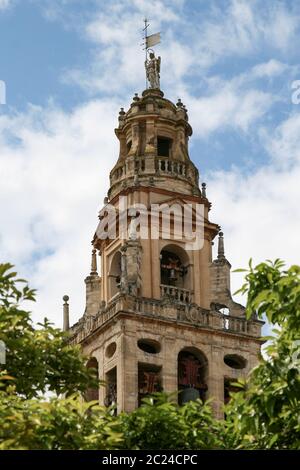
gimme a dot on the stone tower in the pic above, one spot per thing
(159, 315)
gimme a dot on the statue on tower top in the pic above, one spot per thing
(152, 65)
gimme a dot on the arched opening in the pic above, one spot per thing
(192, 375)
(223, 310)
(128, 146)
(149, 380)
(175, 276)
(114, 275)
(92, 393)
(111, 388)
(235, 361)
(149, 346)
(164, 147)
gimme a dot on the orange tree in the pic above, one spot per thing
(265, 414)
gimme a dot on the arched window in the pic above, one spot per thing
(114, 275)
(192, 375)
(128, 146)
(149, 346)
(175, 274)
(235, 361)
(111, 388)
(174, 266)
(92, 393)
(149, 380)
(164, 147)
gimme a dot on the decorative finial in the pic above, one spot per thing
(179, 103)
(66, 320)
(121, 114)
(105, 200)
(136, 97)
(94, 263)
(204, 190)
(221, 250)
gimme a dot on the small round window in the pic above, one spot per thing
(111, 349)
(234, 361)
(149, 346)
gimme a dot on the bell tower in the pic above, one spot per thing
(159, 312)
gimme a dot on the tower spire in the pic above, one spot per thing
(66, 320)
(94, 263)
(221, 250)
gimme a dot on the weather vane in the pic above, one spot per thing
(152, 64)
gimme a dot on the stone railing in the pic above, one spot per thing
(128, 168)
(177, 293)
(151, 165)
(178, 311)
(173, 167)
(148, 307)
(88, 324)
(183, 170)
(236, 324)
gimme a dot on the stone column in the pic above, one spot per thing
(216, 380)
(130, 373)
(93, 288)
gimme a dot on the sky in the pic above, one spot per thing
(69, 65)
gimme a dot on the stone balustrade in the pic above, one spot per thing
(236, 324)
(177, 293)
(154, 166)
(173, 167)
(176, 310)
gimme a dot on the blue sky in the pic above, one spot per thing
(69, 65)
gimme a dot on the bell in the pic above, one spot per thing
(189, 394)
(173, 275)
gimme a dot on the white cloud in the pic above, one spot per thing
(55, 165)
(269, 69)
(236, 29)
(229, 107)
(52, 186)
(53, 183)
(259, 212)
(118, 58)
(4, 4)
(243, 28)
(284, 144)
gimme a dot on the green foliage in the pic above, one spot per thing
(162, 424)
(266, 414)
(71, 423)
(40, 359)
(60, 424)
